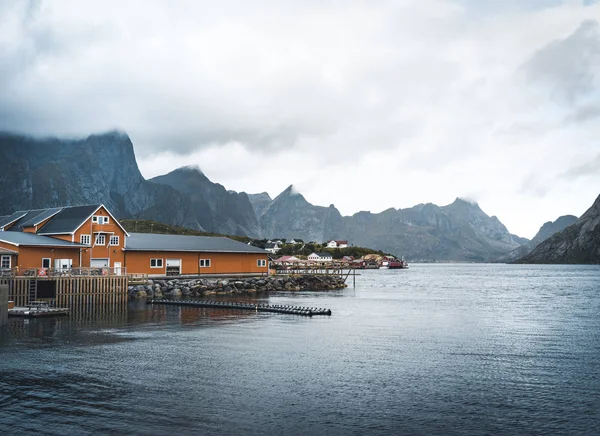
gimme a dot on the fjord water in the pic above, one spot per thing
(437, 349)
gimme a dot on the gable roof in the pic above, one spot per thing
(31, 239)
(214, 244)
(68, 220)
(61, 220)
(288, 259)
(41, 217)
(321, 254)
(29, 215)
(11, 218)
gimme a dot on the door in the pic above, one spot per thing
(62, 264)
(99, 263)
(173, 267)
(117, 268)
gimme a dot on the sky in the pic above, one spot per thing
(363, 104)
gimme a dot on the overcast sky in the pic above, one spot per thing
(364, 104)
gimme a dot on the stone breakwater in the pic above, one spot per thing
(200, 287)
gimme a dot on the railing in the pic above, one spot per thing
(61, 272)
(314, 270)
(138, 278)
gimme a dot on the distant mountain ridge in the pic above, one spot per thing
(548, 229)
(102, 168)
(213, 207)
(50, 172)
(460, 231)
(577, 243)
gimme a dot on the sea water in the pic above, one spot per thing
(436, 349)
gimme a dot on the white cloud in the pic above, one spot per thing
(367, 105)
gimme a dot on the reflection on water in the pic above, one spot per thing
(438, 349)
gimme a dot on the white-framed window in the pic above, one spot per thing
(46, 262)
(85, 239)
(99, 219)
(204, 263)
(5, 261)
(156, 263)
(114, 240)
(100, 240)
(261, 262)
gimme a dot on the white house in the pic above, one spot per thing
(337, 244)
(272, 247)
(320, 257)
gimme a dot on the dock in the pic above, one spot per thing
(273, 308)
(35, 311)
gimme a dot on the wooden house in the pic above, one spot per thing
(91, 237)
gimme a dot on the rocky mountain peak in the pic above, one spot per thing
(464, 203)
(189, 173)
(289, 192)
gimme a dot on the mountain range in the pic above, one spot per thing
(548, 229)
(577, 243)
(102, 168)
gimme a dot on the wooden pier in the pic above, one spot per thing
(341, 272)
(37, 310)
(3, 305)
(67, 291)
(290, 310)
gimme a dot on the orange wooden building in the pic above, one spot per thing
(91, 237)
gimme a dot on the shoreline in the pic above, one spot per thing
(200, 287)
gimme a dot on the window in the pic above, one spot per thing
(204, 263)
(100, 240)
(156, 263)
(114, 240)
(46, 262)
(5, 262)
(99, 219)
(261, 262)
(84, 239)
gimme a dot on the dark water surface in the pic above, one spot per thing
(437, 349)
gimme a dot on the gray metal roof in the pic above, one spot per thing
(17, 226)
(12, 218)
(7, 251)
(22, 238)
(68, 219)
(44, 215)
(153, 242)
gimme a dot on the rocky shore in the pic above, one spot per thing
(199, 287)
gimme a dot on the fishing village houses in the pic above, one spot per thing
(84, 250)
